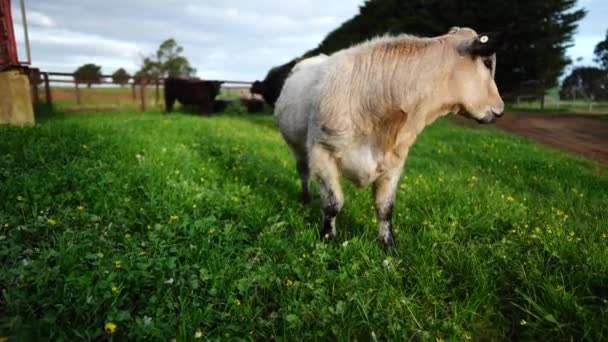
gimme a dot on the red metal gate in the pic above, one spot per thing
(8, 47)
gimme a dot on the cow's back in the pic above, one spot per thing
(298, 99)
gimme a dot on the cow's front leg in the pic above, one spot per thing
(384, 189)
(328, 180)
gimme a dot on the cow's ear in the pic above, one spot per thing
(453, 30)
(485, 44)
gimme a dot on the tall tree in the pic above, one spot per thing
(168, 61)
(121, 76)
(539, 31)
(601, 52)
(88, 74)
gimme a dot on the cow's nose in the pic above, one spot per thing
(488, 118)
(498, 113)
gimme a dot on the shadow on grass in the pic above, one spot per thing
(44, 112)
(281, 192)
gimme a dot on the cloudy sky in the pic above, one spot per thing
(223, 39)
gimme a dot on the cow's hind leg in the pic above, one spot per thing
(304, 173)
(384, 189)
(328, 180)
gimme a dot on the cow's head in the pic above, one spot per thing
(472, 78)
(215, 87)
(257, 87)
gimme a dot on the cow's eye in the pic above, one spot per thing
(488, 63)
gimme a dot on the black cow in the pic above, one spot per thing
(270, 87)
(253, 105)
(191, 92)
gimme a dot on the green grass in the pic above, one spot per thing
(498, 237)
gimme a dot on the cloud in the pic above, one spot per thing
(237, 39)
(97, 44)
(35, 18)
(257, 20)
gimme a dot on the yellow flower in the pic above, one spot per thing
(604, 236)
(149, 227)
(439, 339)
(523, 322)
(174, 217)
(80, 208)
(143, 243)
(117, 264)
(20, 198)
(109, 328)
(510, 199)
(237, 302)
(85, 147)
(288, 282)
(115, 289)
(212, 231)
(127, 236)
(51, 222)
(198, 333)
(141, 253)
(467, 335)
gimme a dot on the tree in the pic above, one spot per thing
(88, 74)
(121, 76)
(601, 52)
(168, 61)
(589, 83)
(140, 76)
(538, 31)
(172, 63)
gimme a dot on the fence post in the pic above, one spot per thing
(35, 93)
(142, 90)
(47, 89)
(157, 86)
(77, 93)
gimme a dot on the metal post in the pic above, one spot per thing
(47, 89)
(27, 37)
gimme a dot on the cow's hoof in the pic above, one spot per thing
(388, 244)
(305, 198)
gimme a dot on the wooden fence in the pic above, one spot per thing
(47, 79)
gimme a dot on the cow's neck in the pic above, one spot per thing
(418, 117)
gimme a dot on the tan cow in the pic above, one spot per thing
(357, 112)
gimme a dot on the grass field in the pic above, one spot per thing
(158, 227)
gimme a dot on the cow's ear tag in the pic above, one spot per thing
(484, 39)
